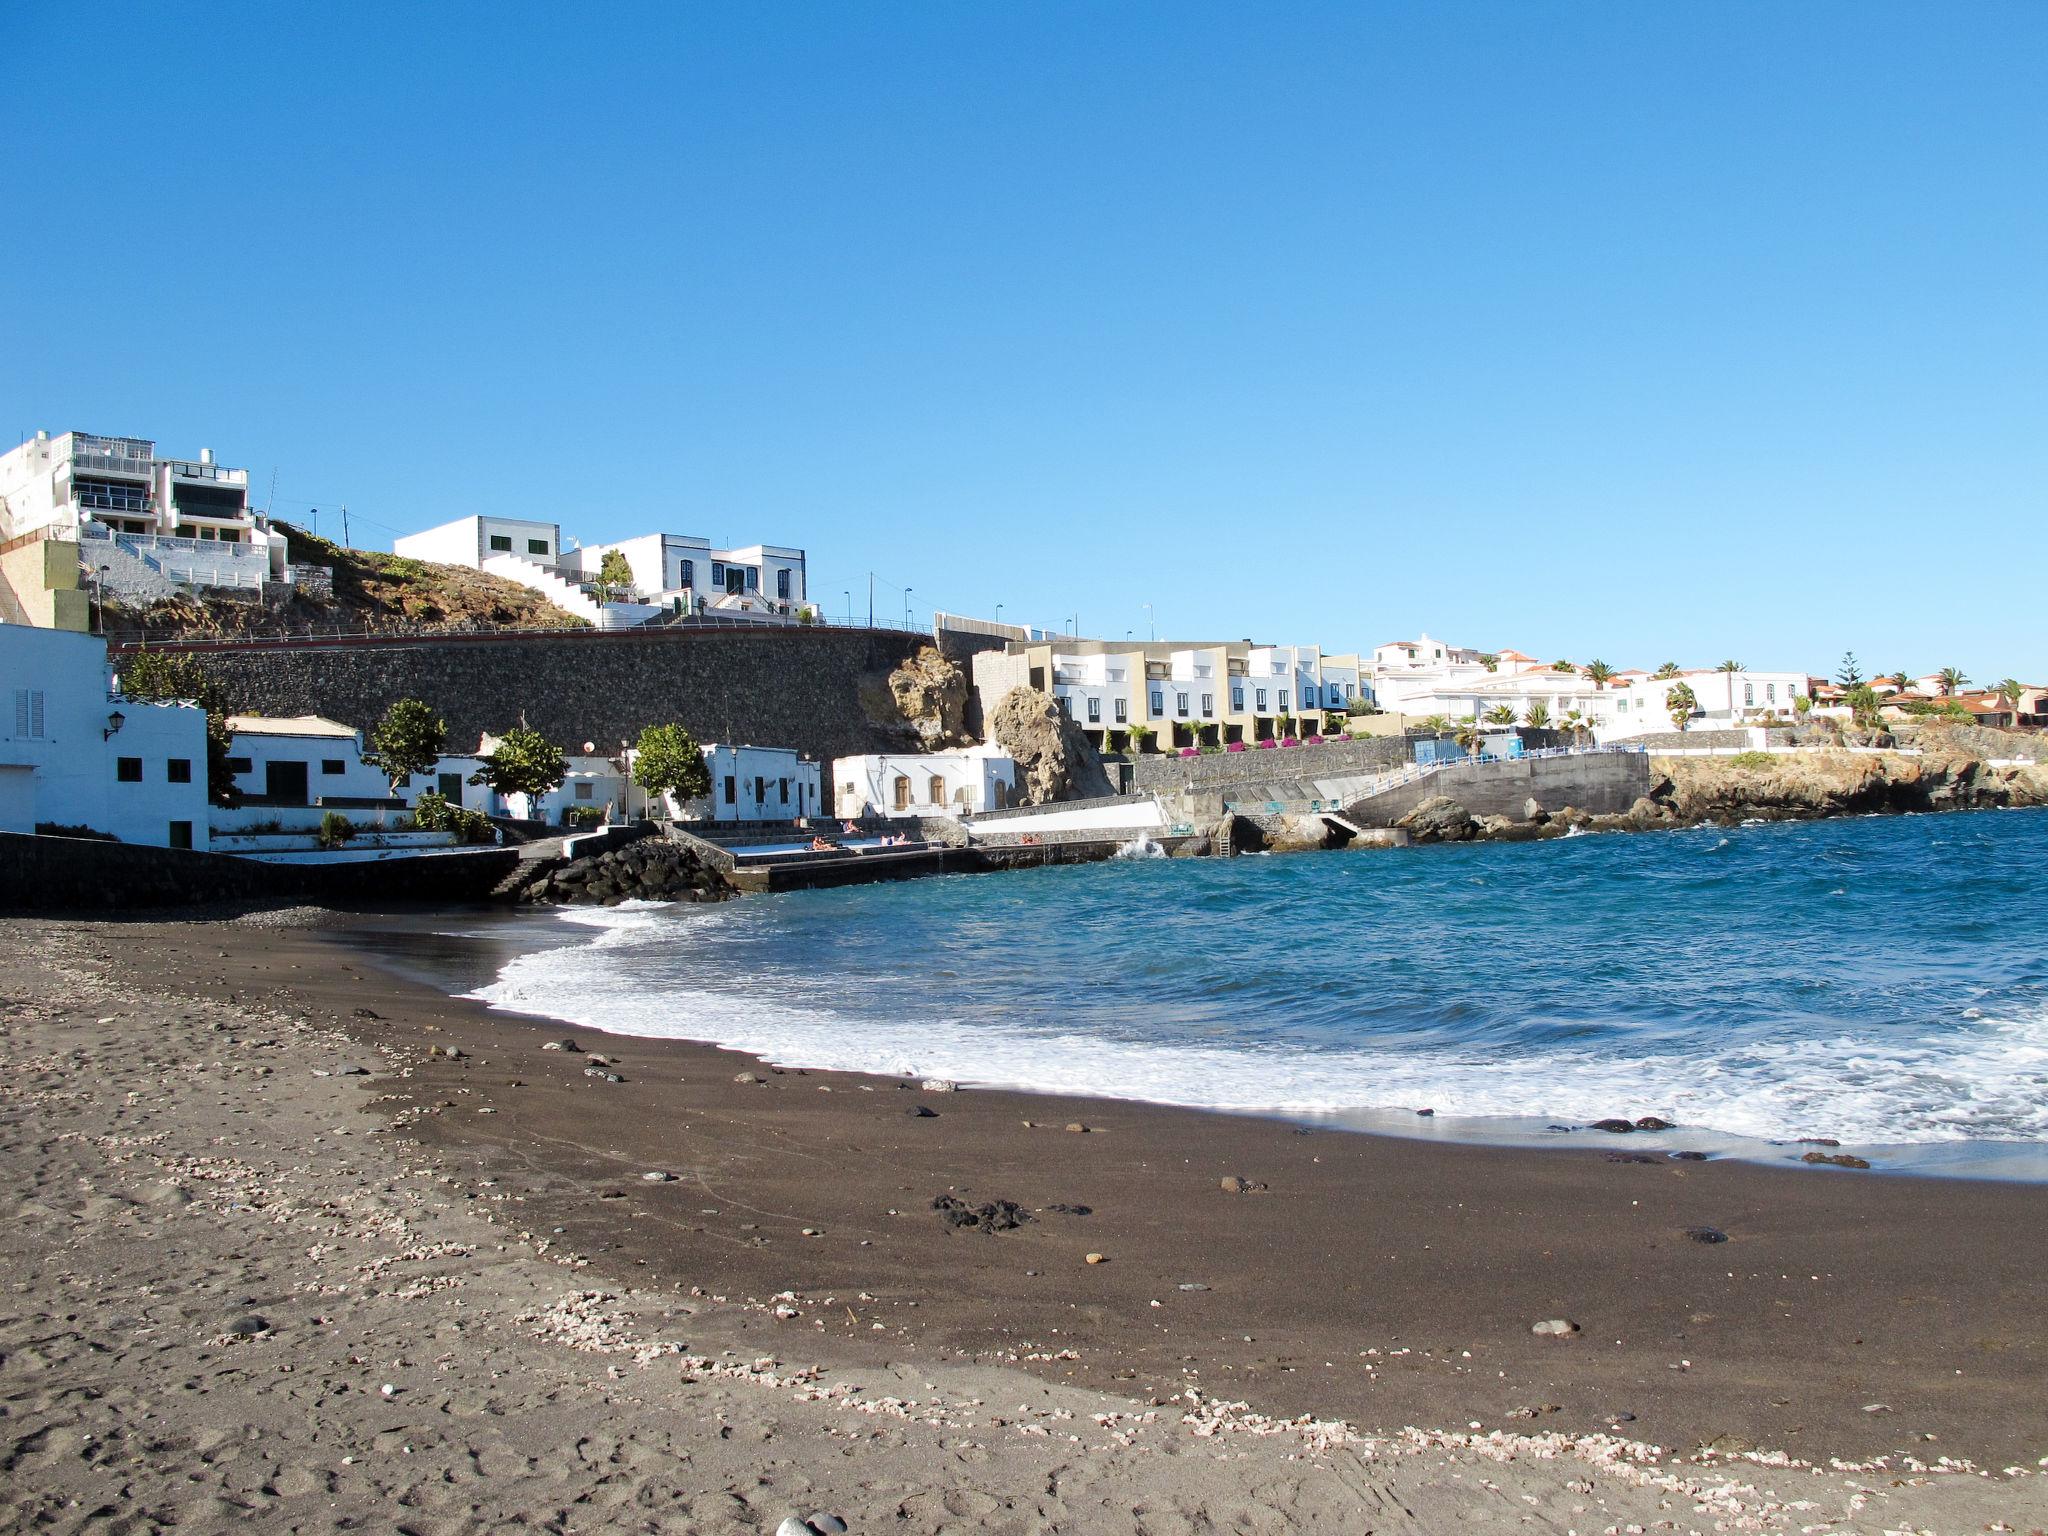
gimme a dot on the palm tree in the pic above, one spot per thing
(2009, 691)
(1598, 671)
(1728, 669)
(1489, 661)
(1681, 702)
(1669, 669)
(1538, 717)
(1501, 714)
(1574, 722)
(1952, 681)
(1562, 666)
(1436, 725)
(1469, 734)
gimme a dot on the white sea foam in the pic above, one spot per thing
(1986, 1080)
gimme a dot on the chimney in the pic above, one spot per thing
(206, 455)
(43, 434)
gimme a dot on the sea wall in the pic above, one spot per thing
(57, 874)
(1601, 783)
(822, 691)
(1152, 772)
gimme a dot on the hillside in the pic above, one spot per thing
(375, 593)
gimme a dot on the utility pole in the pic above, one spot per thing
(344, 525)
(871, 599)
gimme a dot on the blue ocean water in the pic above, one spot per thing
(1880, 981)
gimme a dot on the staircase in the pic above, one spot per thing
(565, 595)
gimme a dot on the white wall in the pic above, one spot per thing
(467, 541)
(969, 781)
(758, 784)
(56, 717)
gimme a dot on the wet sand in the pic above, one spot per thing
(457, 1226)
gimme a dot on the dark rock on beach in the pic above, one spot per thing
(1613, 1127)
(989, 1216)
(652, 869)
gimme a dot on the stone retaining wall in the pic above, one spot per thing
(1601, 783)
(822, 691)
(1155, 772)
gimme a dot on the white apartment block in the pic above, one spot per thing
(1224, 692)
(75, 753)
(145, 525)
(966, 782)
(1635, 701)
(471, 541)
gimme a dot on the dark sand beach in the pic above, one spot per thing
(1883, 1322)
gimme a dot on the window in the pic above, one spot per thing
(1094, 711)
(902, 792)
(782, 584)
(1123, 711)
(753, 579)
(1158, 702)
(241, 765)
(181, 834)
(1770, 693)
(333, 765)
(1749, 693)
(1208, 706)
(536, 546)
(785, 791)
(717, 573)
(178, 770)
(128, 770)
(1237, 701)
(731, 789)
(28, 713)
(1180, 704)
(760, 791)
(501, 543)
(937, 790)
(583, 789)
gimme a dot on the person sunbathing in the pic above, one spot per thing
(819, 845)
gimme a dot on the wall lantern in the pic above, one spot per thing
(114, 723)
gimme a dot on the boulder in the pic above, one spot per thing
(1439, 819)
(1054, 759)
(931, 695)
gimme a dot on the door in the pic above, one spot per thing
(451, 788)
(285, 783)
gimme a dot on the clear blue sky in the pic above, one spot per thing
(1641, 331)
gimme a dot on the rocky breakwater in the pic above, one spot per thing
(652, 869)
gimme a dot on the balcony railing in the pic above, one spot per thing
(121, 463)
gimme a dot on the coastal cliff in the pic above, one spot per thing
(1786, 785)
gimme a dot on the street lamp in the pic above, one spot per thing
(849, 605)
(906, 607)
(999, 613)
(1151, 620)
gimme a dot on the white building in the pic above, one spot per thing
(1635, 701)
(74, 753)
(671, 573)
(756, 784)
(962, 782)
(685, 574)
(146, 526)
(294, 769)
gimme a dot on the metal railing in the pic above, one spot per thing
(419, 634)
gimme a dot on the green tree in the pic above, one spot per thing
(1562, 666)
(1681, 701)
(1863, 704)
(1501, 714)
(1668, 670)
(1538, 717)
(524, 763)
(408, 740)
(1850, 672)
(158, 677)
(667, 760)
(1729, 666)
(1598, 672)
(2009, 691)
(1490, 661)
(1469, 736)
(1952, 681)
(1436, 725)
(614, 574)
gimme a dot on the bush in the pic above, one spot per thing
(585, 816)
(1290, 741)
(1751, 760)
(1235, 746)
(1267, 742)
(58, 829)
(433, 813)
(335, 829)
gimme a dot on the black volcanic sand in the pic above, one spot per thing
(1381, 1280)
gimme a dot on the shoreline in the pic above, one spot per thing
(1596, 1232)
(190, 1147)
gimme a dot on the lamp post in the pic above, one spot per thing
(849, 605)
(999, 613)
(906, 607)
(1151, 621)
